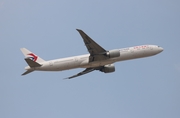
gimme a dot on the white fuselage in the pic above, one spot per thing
(82, 61)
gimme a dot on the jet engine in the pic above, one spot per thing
(108, 68)
(113, 53)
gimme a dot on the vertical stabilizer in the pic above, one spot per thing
(31, 55)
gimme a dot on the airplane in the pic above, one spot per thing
(97, 59)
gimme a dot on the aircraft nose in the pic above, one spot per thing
(161, 49)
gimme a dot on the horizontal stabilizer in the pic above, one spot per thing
(32, 63)
(27, 72)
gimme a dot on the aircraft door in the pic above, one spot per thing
(51, 63)
(151, 47)
(132, 53)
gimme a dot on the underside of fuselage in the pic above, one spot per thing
(83, 60)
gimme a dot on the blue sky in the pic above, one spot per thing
(141, 88)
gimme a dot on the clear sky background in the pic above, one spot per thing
(141, 88)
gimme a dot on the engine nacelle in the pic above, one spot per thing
(108, 68)
(113, 53)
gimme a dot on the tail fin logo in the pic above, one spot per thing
(34, 57)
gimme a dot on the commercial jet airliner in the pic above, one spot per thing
(97, 59)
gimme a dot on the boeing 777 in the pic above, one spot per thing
(97, 59)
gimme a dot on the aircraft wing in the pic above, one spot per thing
(87, 70)
(95, 50)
